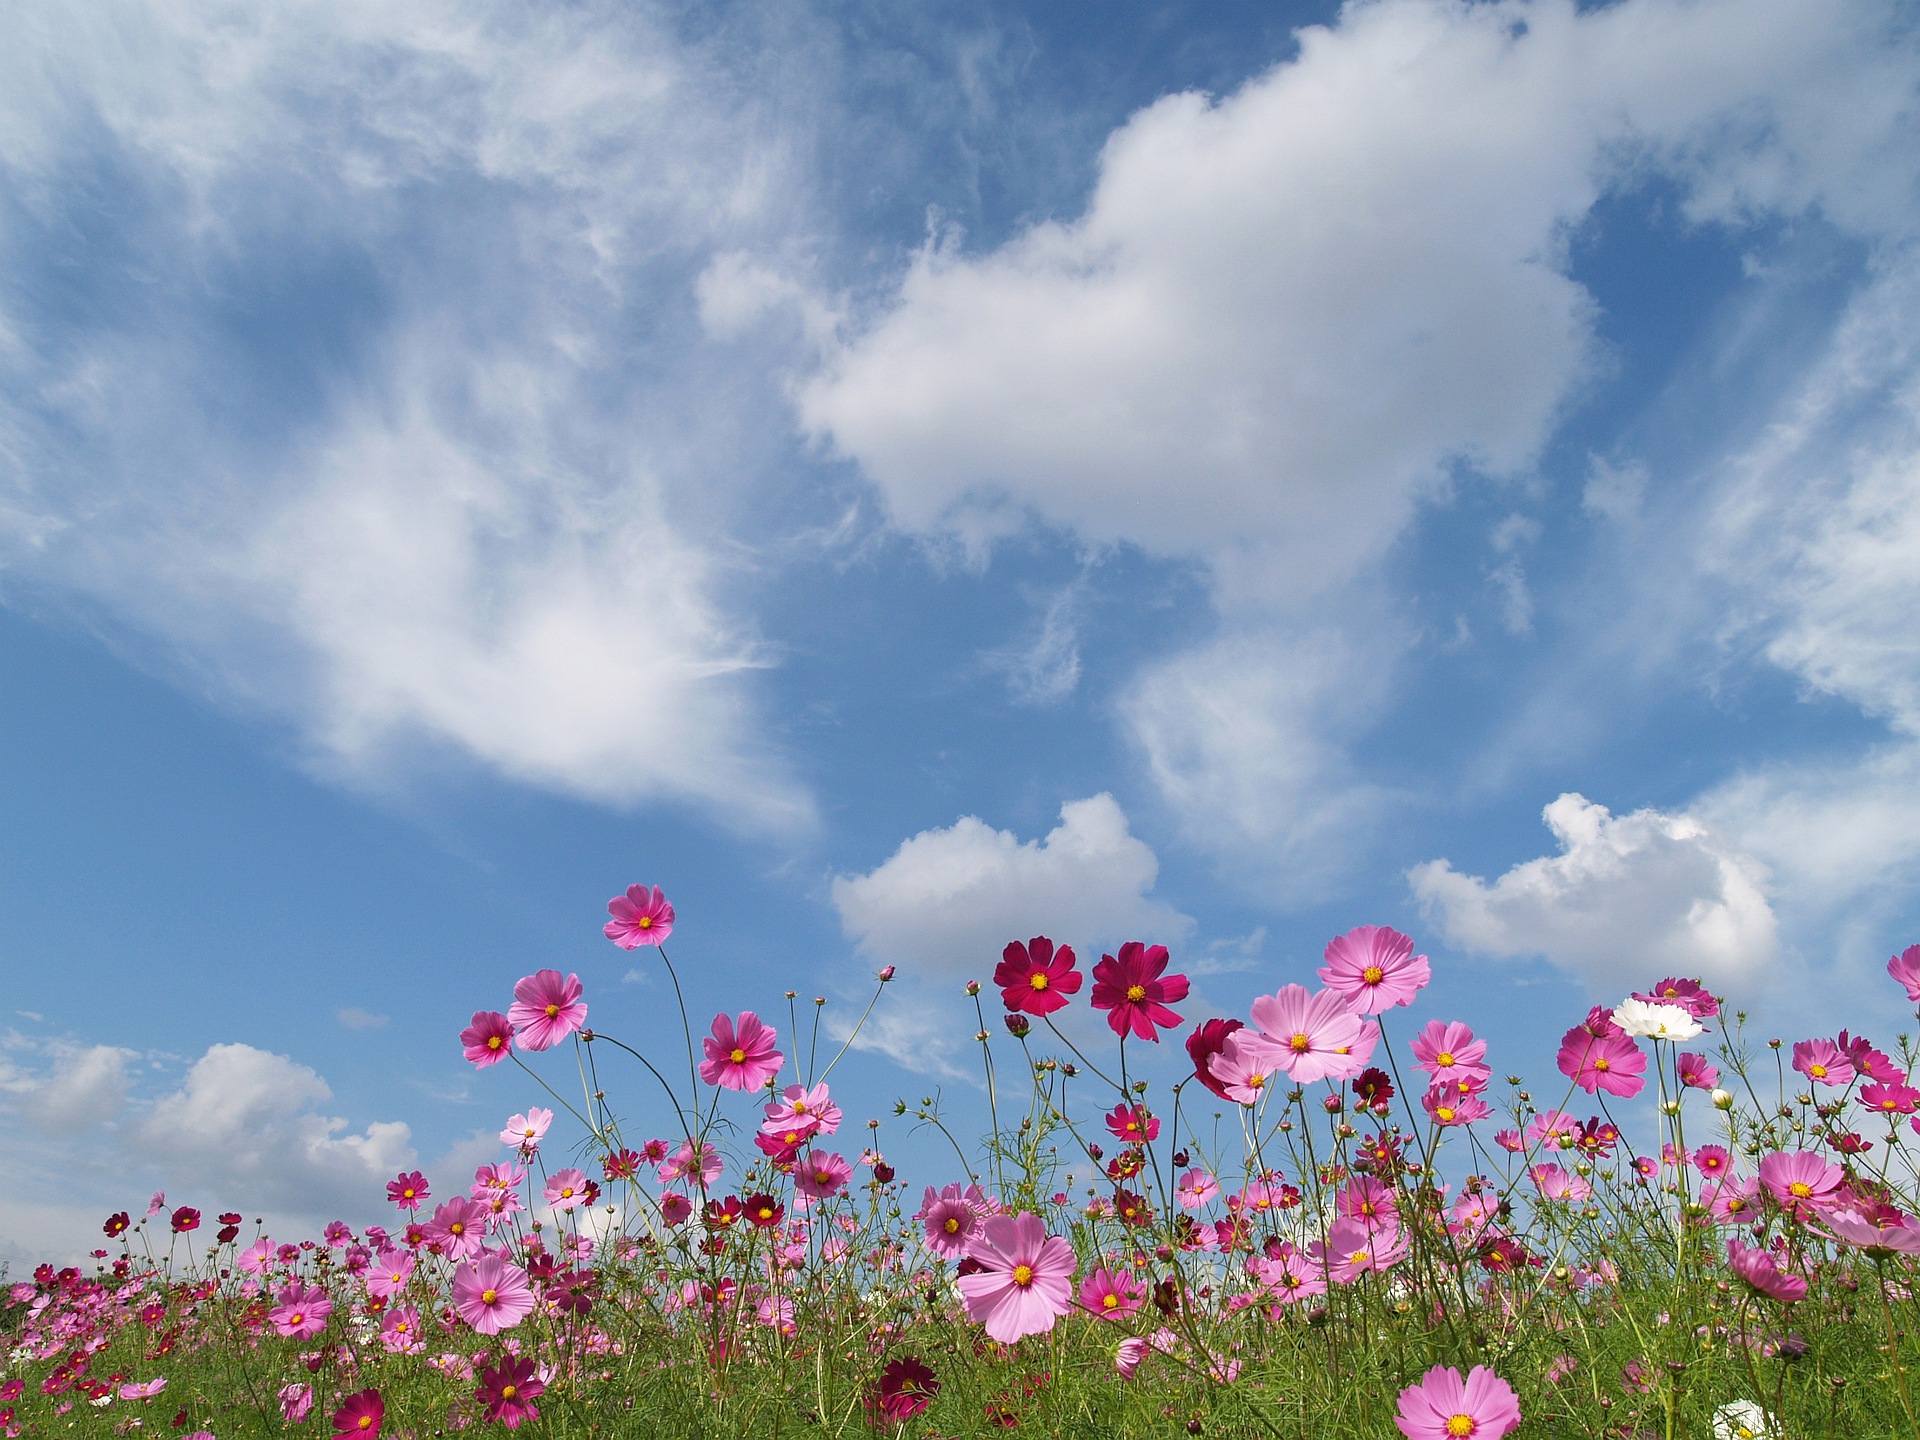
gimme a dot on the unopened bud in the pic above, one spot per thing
(1669, 1107)
(1723, 1100)
(1018, 1025)
(973, 987)
(886, 974)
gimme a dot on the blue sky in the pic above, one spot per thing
(903, 478)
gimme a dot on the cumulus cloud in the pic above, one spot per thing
(393, 452)
(1625, 901)
(248, 1123)
(947, 901)
(85, 1086)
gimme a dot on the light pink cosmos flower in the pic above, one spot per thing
(822, 1175)
(1289, 1274)
(546, 1009)
(296, 1402)
(257, 1258)
(1801, 1180)
(1445, 1407)
(1822, 1062)
(389, 1273)
(683, 1164)
(1557, 1184)
(1758, 1269)
(1128, 1354)
(1553, 1129)
(1246, 1065)
(1373, 968)
(1612, 1063)
(566, 1189)
(948, 1221)
(1351, 1249)
(1315, 1031)
(490, 1179)
(458, 1227)
(301, 1312)
(812, 1112)
(1111, 1294)
(640, 917)
(491, 1294)
(740, 1053)
(400, 1331)
(144, 1391)
(1135, 990)
(1905, 968)
(157, 1203)
(488, 1040)
(1196, 1190)
(1369, 1201)
(1888, 1230)
(1447, 1105)
(1446, 1049)
(1026, 1280)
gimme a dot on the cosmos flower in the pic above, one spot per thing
(1130, 987)
(1246, 1065)
(567, 1189)
(683, 1164)
(802, 1112)
(1205, 1041)
(458, 1227)
(1649, 1021)
(1445, 1407)
(822, 1175)
(1689, 995)
(508, 1389)
(1373, 968)
(1446, 1049)
(948, 1221)
(1695, 1072)
(1025, 1280)
(1758, 1269)
(546, 1009)
(1612, 1063)
(1132, 1124)
(1036, 977)
(907, 1387)
(1111, 1294)
(359, 1416)
(1890, 1099)
(1822, 1062)
(640, 917)
(492, 1294)
(301, 1311)
(389, 1273)
(1801, 1180)
(1905, 968)
(1315, 1031)
(1196, 1190)
(740, 1053)
(408, 1190)
(525, 1132)
(488, 1040)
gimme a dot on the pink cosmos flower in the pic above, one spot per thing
(1553, 1129)
(1905, 968)
(1445, 1105)
(1132, 1124)
(1025, 1282)
(1695, 1072)
(360, 1416)
(1289, 1274)
(508, 1389)
(683, 1164)
(1886, 1229)
(1196, 1190)
(257, 1258)
(948, 1220)
(1612, 1063)
(1822, 1062)
(1445, 1049)
(1205, 1041)
(1689, 995)
(1869, 1063)
(458, 1227)
(1316, 1033)
(302, 1311)
(147, 1390)
(1246, 1065)
(400, 1331)
(491, 1294)
(488, 1040)
(1368, 1201)
(408, 1190)
(491, 1179)
(546, 1009)
(296, 1402)
(1111, 1294)
(740, 1053)
(1373, 968)
(822, 1175)
(1557, 1184)
(1800, 1180)
(674, 1207)
(640, 917)
(566, 1189)
(1130, 987)
(1890, 1099)
(1713, 1161)
(1445, 1407)
(1351, 1249)
(1036, 977)
(389, 1273)
(809, 1112)
(1128, 1354)
(1758, 1269)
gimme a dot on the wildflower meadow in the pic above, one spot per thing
(1345, 1220)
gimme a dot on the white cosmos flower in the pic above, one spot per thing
(1656, 1022)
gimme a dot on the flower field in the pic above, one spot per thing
(1344, 1221)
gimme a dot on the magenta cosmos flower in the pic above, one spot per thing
(740, 1053)
(1445, 1407)
(546, 1009)
(1689, 995)
(1905, 968)
(1822, 1062)
(822, 1175)
(360, 1416)
(491, 1294)
(1204, 1042)
(803, 1112)
(1036, 977)
(408, 1190)
(1758, 1269)
(1800, 1180)
(640, 917)
(1374, 968)
(1111, 1294)
(1696, 1072)
(949, 1221)
(458, 1227)
(907, 1388)
(1446, 1050)
(488, 1040)
(301, 1312)
(1612, 1063)
(1317, 1035)
(508, 1390)
(1025, 1282)
(1130, 988)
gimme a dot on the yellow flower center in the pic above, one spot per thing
(646, 922)
(1038, 982)
(552, 1010)
(457, 1228)
(1801, 1190)
(1445, 1112)
(1358, 1257)
(1023, 1275)
(1255, 1082)
(493, 1042)
(489, 1297)
(1443, 1059)
(366, 1422)
(566, 1192)
(1460, 1425)
(1110, 1301)
(1373, 975)
(507, 1392)
(952, 1227)
(1603, 1063)
(799, 1107)
(1136, 993)
(296, 1319)
(1300, 1044)
(737, 1055)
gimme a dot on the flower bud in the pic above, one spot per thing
(1723, 1100)
(973, 987)
(1669, 1107)
(1018, 1025)
(886, 974)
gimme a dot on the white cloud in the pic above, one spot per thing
(1046, 668)
(355, 1018)
(247, 1123)
(1626, 901)
(85, 1087)
(947, 901)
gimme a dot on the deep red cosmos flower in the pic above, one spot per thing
(1130, 988)
(1036, 977)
